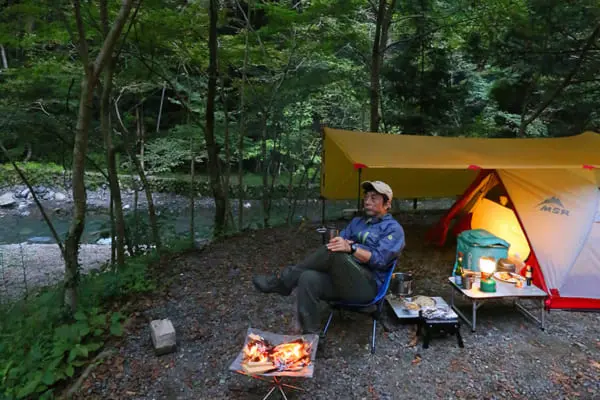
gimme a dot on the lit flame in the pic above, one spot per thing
(285, 356)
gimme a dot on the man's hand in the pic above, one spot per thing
(339, 245)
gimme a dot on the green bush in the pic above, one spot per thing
(42, 347)
(36, 173)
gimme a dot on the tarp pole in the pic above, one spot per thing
(322, 134)
(358, 194)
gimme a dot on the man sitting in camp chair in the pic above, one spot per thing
(351, 267)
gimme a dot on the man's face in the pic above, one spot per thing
(375, 204)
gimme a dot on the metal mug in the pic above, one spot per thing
(468, 282)
(328, 233)
(332, 232)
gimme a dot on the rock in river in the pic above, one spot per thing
(7, 200)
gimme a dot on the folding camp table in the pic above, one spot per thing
(504, 290)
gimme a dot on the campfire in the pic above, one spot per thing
(260, 356)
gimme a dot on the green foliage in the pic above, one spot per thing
(166, 154)
(44, 349)
(41, 346)
(36, 173)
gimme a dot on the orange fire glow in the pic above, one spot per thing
(260, 356)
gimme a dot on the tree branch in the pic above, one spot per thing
(424, 35)
(131, 22)
(104, 17)
(112, 37)
(83, 46)
(566, 81)
(165, 78)
(37, 201)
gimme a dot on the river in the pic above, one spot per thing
(174, 216)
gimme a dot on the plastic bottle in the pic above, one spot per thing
(528, 275)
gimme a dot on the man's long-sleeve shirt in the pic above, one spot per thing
(383, 237)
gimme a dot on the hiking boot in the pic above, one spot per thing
(270, 284)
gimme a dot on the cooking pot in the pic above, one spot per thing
(401, 284)
(505, 265)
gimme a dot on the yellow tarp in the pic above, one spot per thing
(432, 166)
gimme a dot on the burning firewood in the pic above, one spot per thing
(260, 356)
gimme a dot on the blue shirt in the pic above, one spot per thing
(383, 237)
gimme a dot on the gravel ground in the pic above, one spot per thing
(27, 266)
(210, 299)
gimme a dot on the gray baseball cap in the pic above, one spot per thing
(378, 186)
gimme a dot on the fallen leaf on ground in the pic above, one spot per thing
(416, 360)
(413, 341)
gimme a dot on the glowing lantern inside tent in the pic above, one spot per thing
(502, 222)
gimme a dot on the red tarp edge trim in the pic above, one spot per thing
(577, 303)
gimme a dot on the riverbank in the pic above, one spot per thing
(25, 267)
(52, 175)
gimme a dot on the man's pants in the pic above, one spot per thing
(326, 275)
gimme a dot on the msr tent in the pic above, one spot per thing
(541, 195)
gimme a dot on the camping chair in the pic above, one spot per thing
(377, 302)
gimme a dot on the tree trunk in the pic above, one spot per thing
(113, 179)
(192, 190)
(3, 57)
(113, 231)
(243, 127)
(384, 19)
(142, 137)
(92, 71)
(139, 118)
(375, 67)
(265, 170)
(274, 171)
(227, 145)
(299, 186)
(385, 29)
(148, 192)
(79, 194)
(209, 133)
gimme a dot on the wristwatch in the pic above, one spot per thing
(353, 248)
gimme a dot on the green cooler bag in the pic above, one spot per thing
(477, 243)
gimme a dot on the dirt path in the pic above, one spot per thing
(211, 302)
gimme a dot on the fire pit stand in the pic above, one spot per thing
(277, 383)
(275, 377)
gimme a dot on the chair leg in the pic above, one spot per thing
(373, 337)
(327, 325)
